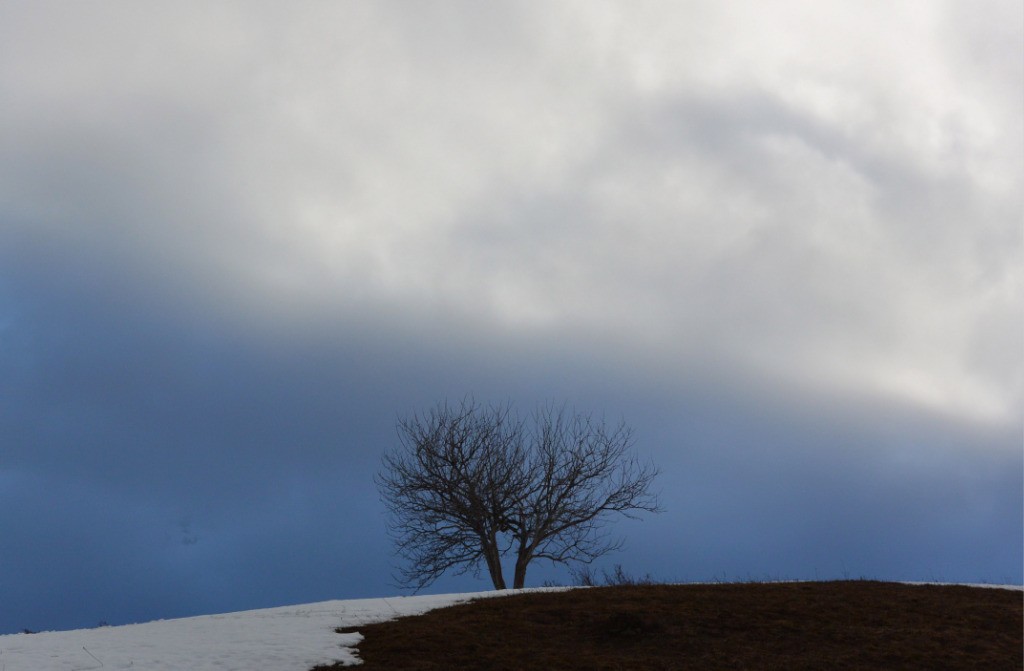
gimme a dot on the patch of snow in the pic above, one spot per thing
(291, 638)
(1018, 588)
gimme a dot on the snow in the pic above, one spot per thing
(291, 638)
(986, 585)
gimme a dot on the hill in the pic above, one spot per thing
(821, 625)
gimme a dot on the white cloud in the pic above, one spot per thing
(824, 191)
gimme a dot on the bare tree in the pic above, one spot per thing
(581, 472)
(449, 488)
(467, 485)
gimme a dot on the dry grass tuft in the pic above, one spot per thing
(823, 625)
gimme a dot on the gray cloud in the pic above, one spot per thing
(237, 242)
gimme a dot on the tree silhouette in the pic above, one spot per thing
(469, 484)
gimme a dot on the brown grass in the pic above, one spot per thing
(822, 625)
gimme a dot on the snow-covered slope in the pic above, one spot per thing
(292, 638)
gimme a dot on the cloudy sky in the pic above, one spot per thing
(238, 240)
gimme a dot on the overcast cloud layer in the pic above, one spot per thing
(782, 240)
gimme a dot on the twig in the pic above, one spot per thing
(101, 664)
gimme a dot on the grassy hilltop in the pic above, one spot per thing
(814, 625)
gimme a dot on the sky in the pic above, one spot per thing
(240, 240)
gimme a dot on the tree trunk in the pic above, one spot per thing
(493, 559)
(520, 575)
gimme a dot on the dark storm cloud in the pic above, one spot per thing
(853, 489)
(159, 463)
